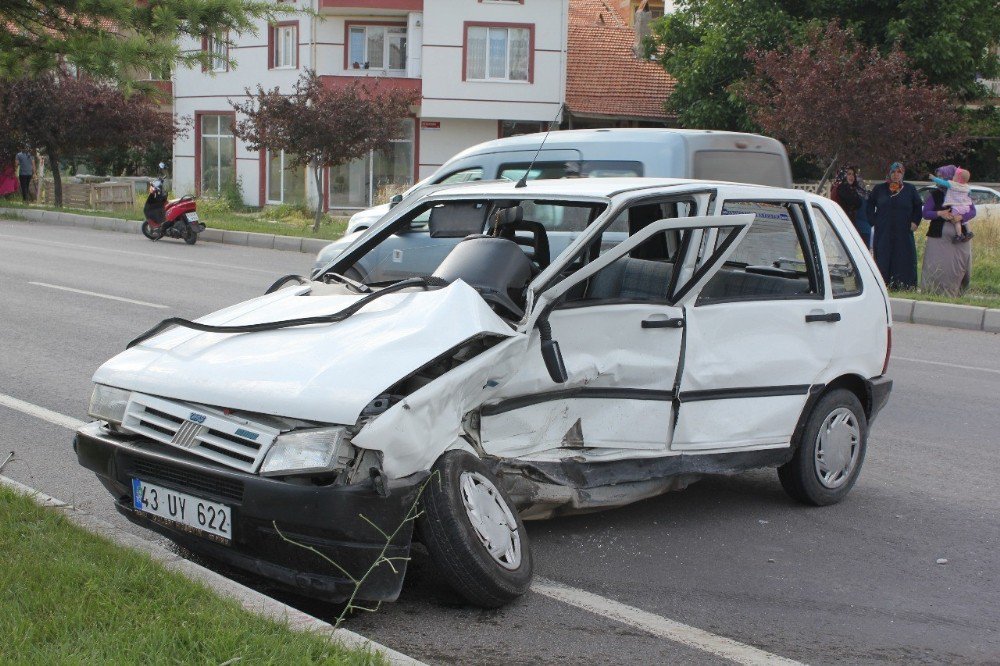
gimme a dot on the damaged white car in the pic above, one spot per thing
(577, 345)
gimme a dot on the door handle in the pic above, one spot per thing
(830, 317)
(672, 322)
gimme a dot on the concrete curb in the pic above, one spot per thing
(251, 600)
(950, 315)
(266, 241)
(905, 310)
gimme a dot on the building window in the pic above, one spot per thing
(509, 128)
(498, 53)
(285, 46)
(218, 152)
(377, 47)
(218, 51)
(377, 176)
(286, 181)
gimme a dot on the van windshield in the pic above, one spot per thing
(740, 166)
(571, 169)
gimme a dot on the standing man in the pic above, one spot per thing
(26, 169)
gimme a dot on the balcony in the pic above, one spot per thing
(374, 83)
(371, 7)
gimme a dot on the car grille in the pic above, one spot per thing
(199, 430)
(183, 479)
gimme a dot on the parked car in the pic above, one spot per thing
(600, 153)
(689, 328)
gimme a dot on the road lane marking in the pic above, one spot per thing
(947, 365)
(656, 625)
(94, 293)
(146, 255)
(40, 412)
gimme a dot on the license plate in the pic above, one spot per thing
(192, 514)
(192, 217)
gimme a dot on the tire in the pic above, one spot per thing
(838, 429)
(190, 235)
(455, 546)
(147, 231)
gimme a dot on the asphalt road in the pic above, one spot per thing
(853, 583)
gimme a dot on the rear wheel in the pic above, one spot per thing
(190, 236)
(830, 451)
(473, 533)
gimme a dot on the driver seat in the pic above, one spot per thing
(511, 220)
(495, 267)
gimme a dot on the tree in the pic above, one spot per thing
(834, 100)
(321, 126)
(112, 39)
(65, 118)
(703, 44)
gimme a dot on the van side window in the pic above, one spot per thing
(773, 261)
(463, 176)
(840, 266)
(571, 169)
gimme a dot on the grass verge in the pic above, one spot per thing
(218, 214)
(68, 596)
(984, 288)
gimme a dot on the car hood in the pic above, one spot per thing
(325, 372)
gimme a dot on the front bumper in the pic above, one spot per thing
(326, 518)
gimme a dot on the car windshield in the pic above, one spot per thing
(416, 243)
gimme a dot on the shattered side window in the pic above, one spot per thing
(773, 261)
(840, 266)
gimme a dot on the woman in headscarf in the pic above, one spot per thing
(851, 194)
(894, 212)
(947, 266)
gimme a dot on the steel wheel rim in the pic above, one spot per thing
(492, 520)
(838, 446)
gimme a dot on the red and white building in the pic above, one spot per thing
(483, 69)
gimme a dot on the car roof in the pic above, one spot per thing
(596, 187)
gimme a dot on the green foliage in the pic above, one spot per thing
(320, 126)
(704, 44)
(69, 118)
(828, 70)
(117, 39)
(69, 597)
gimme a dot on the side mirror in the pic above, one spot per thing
(551, 353)
(396, 198)
(162, 165)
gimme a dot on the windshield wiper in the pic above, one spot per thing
(423, 282)
(359, 287)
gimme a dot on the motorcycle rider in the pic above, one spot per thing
(154, 208)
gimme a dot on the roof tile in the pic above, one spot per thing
(603, 75)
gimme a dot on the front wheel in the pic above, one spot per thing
(830, 451)
(473, 534)
(147, 231)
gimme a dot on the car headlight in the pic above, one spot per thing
(308, 452)
(107, 403)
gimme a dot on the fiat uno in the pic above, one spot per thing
(578, 345)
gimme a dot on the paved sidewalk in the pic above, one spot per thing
(903, 310)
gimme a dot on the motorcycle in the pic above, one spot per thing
(180, 218)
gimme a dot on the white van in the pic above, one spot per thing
(597, 153)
